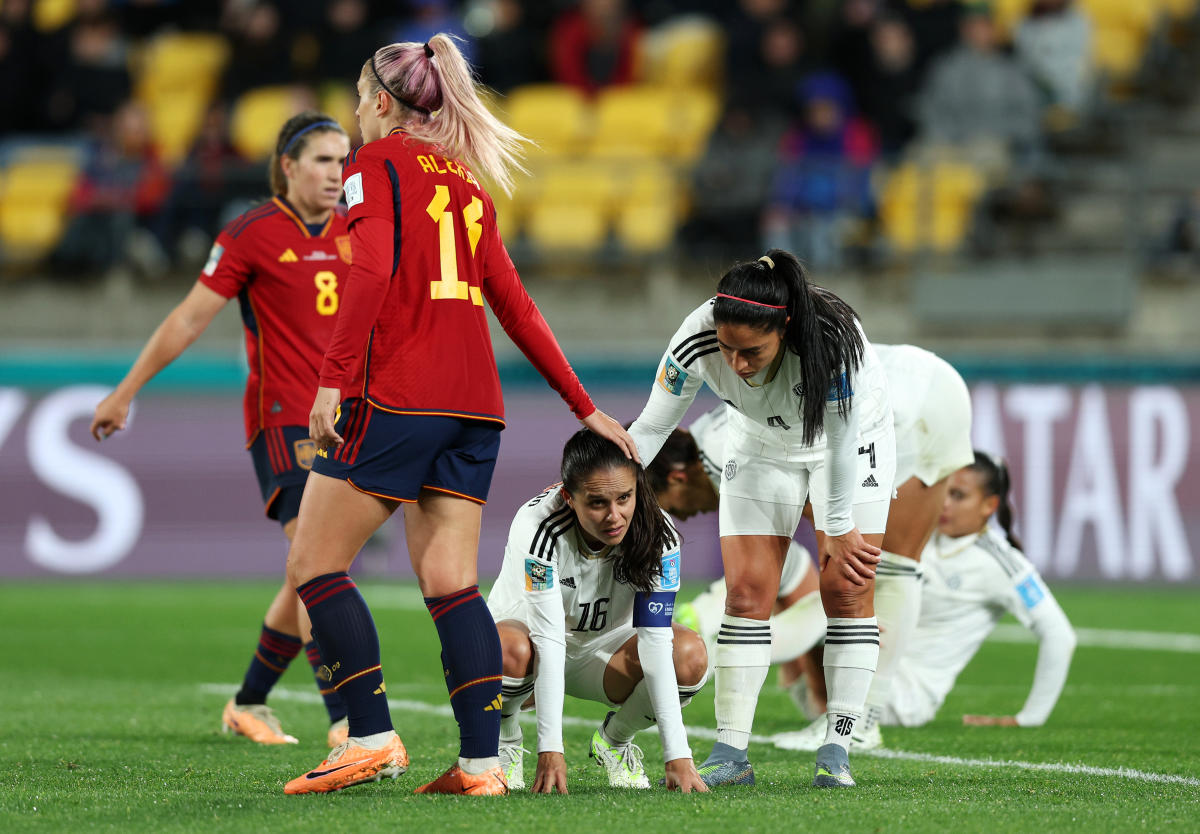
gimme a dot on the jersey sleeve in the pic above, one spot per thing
(547, 627)
(675, 386)
(227, 270)
(1030, 601)
(708, 430)
(652, 613)
(362, 299)
(841, 455)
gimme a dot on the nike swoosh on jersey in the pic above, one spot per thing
(317, 774)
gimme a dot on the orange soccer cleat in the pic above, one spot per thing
(352, 764)
(256, 722)
(458, 781)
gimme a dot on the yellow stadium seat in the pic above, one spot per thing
(175, 121)
(178, 62)
(685, 53)
(51, 15)
(645, 227)
(593, 183)
(337, 100)
(566, 228)
(257, 117)
(34, 192)
(37, 181)
(929, 207)
(28, 232)
(1117, 51)
(696, 114)
(552, 115)
(633, 121)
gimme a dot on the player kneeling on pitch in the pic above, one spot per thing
(583, 605)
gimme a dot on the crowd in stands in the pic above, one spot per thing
(840, 127)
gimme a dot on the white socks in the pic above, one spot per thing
(513, 693)
(742, 658)
(898, 608)
(637, 713)
(851, 654)
(796, 630)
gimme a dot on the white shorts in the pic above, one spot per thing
(910, 704)
(796, 566)
(763, 493)
(587, 660)
(938, 442)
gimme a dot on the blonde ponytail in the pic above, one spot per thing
(435, 82)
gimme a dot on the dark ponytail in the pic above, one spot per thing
(994, 480)
(774, 294)
(292, 140)
(639, 558)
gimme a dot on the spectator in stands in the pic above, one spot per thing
(978, 101)
(21, 96)
(823, 182)
(594, 45)
(1054, 44)
(349, 36)
(428, 17)
(935, 25)
(851, 50)
(512, 53)
(891, 83)
(732, 182)
(94, 79)
(745, 24)
(261, 50)
(120, 191)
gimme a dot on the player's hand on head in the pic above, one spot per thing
(682, 776)
(111, 416)
(852, 555)
(551, 773)
(990, 721)
(323, 417)
(607, 427)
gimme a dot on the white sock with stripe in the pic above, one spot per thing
(897, 608)
(851, 654)
(513, 693)
(742, 658)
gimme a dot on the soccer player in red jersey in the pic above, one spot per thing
(420, 412)
(286, 261)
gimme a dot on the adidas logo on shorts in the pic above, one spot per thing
(870, 481)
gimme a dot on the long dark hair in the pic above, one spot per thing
(774, 294)
(292, 140)
(679, 451)
(994, 480)
(639, 558)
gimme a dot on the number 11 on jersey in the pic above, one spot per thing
(449, 287)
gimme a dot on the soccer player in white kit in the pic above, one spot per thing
(811, 419)
(974, 575)
(583, 605)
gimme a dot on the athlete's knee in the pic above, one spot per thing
(749, 601)
(843, 598)
(690, 655)
(517, 651)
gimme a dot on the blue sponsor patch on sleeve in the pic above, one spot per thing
(839, 389)
(670, 571)
(672, 377)
(538, 576)
(1031, 592)
(653, 609)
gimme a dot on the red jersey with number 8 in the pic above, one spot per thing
(288, 280)
(413, 336)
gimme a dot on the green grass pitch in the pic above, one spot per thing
(112, 694)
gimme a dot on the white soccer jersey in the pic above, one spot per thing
(768, 407)
(969, 584)
(708, 431)
(569, 598)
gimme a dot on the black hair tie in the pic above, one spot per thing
(428, 50)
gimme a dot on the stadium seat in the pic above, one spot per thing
(176, 81)
(595, 184)
(688, 52)
(256, 118)
(924, 207)
(52, 15)
(696, 114)
(575, 228)
(554, 116)
(34, 191)
(175, 121)
(1121, 30)
(337, 99)
(635, 121)
(646, 227)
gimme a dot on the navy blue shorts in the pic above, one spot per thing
(282, 457)
(397, 455)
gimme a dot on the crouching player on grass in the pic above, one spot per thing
(583, 605)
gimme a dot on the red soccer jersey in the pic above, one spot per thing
(288, 283)
(412, 336)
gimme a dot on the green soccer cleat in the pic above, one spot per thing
(623, 764)
(833, 768)
(512, 762)
(719, 774)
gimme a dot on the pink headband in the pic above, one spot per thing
(755, 303)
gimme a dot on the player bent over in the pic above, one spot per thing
(583, 605)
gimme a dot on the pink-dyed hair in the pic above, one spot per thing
(457, 121)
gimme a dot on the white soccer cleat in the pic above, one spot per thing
(867, 739)
(512, 762)
(809, 739)
(804, 699)
(623, 764)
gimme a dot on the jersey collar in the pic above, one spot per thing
(291, 212)
(586, 552)
(948, 547)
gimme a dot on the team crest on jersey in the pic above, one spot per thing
(343, 245)
(1031, 592)
(672, 377)
(538, 577)
(306, 452)
(798, 389)
(670, 571)
(730, 470)
(214, 258)
(354, 190)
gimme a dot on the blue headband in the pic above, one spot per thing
(302, 131)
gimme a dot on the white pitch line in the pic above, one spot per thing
(711, 735)
(1109, 638)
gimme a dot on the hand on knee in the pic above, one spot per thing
(843, 598)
